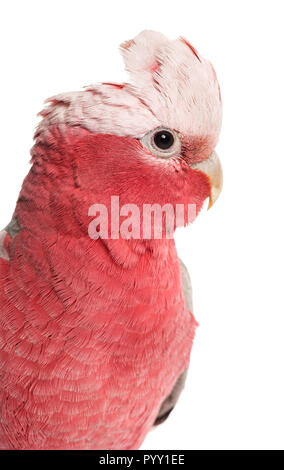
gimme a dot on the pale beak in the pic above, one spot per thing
(212, 168)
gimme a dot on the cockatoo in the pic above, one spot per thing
(96, 331)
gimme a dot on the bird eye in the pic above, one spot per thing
(162, 142)
(164, 139)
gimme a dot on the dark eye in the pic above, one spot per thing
(162, 142)
(164, 139)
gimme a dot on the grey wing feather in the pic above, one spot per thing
(13, 229)
(186, 283)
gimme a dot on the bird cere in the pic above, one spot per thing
(96, 328)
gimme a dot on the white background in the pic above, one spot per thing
(235, 392)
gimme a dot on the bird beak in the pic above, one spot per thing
(212, 168)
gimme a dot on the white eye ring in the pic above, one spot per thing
(162, 142)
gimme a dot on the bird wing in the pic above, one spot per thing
(170, 402)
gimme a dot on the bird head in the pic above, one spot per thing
(151, 140)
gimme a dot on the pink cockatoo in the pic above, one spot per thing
(96, 332)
